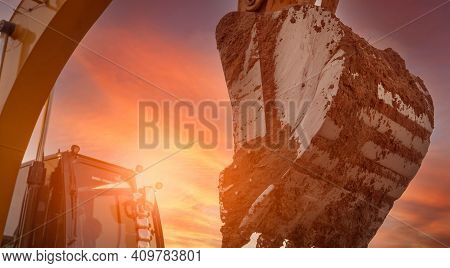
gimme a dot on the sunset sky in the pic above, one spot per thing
(137, 44)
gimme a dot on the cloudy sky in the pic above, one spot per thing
(142, 47)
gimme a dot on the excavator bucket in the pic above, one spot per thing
(340, 129)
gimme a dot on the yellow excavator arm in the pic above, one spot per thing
(45, 35)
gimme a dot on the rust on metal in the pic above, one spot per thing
(275, 5)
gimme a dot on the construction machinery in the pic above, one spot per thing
(340, 130)
(66, 199)
(72, 200)
(41, 36)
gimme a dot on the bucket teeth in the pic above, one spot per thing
(144, 234)
(142, 223)
(143, 244)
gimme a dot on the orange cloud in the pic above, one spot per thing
(96, 108)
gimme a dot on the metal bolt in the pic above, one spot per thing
(7, 27)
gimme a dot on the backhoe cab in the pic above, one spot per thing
(71, 200)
